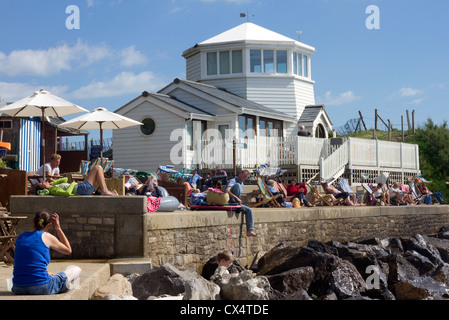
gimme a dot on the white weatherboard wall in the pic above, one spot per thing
(134, 150)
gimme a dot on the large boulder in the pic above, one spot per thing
(346, 281)
(162, 280)
(117, 288)
(292, 280)
(243, 286)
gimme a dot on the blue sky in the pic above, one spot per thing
(125, 47)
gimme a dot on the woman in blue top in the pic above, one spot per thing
(32, 255)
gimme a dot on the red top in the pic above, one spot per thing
(293, 190)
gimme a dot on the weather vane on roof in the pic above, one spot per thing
(247, 15)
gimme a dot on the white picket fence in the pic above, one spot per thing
(313, 152)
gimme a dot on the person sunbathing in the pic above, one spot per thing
(62, 187)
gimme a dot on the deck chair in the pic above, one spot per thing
(265, 195)
(369, 190)
(281, 189)
(317, 196)
(344, 186)
(416, 195)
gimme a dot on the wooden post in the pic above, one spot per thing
(363, 121)
(413, 121)
(402, 127)
(408, 120)
(375, 119)
(389, 130)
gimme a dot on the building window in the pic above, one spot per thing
(224, 62)
(211, 63)
(237, 62)
(270, 128)
(297, 63)
(246, 125)
(255, 61)
(281, 61)
(306, 66)
(5, 124)
(148, 127)
(268, 61)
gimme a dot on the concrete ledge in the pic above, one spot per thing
(191, 219)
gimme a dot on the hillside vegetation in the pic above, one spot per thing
(433, 142)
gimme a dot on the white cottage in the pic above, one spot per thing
(245, 78)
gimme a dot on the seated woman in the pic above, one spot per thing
(274, 192)
(32, 255)
(61, 187)
(150, 188)
(422, 187)
(337, 194)
(298, 190)
(379, 193)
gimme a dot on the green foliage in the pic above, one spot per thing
(2, 164)
(433, 142)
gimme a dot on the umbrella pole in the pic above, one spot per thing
(42, 140)
(101, 141)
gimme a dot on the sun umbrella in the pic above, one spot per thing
(41, 104)
(101, 119)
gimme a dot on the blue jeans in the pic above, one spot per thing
(300, 196)
(57, 284)
(248, 212)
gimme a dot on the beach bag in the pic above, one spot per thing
(217, 197)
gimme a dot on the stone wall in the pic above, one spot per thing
(98, 227)
(189, 239)
(119, 227)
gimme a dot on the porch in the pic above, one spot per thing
(359, 160)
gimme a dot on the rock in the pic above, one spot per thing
(399, 268)
(292, 280)
(275, 257)
(212, 264)
(420, 262)
(301, 294)
(421, 288)
(157, 281)
(199, 288)
(117, 286)
(243, 286)
(419, 244)
(346, 281)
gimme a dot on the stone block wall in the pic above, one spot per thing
(189, 239)
(119, 227)
(98, 227)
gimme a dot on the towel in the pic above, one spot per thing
(153, 204)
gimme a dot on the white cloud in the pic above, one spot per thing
(331, 99)
(409, 92)
(51, 61)
(11, 92)
(123, 83)
(132, 57)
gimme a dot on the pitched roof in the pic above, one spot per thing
(247, 32)
(233, 99)
(310, 113)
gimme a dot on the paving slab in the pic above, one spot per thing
(94, 274)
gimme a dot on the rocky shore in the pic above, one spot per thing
(381, 268)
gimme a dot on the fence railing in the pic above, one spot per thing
(303, 151)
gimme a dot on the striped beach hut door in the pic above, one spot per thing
(29, 145)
